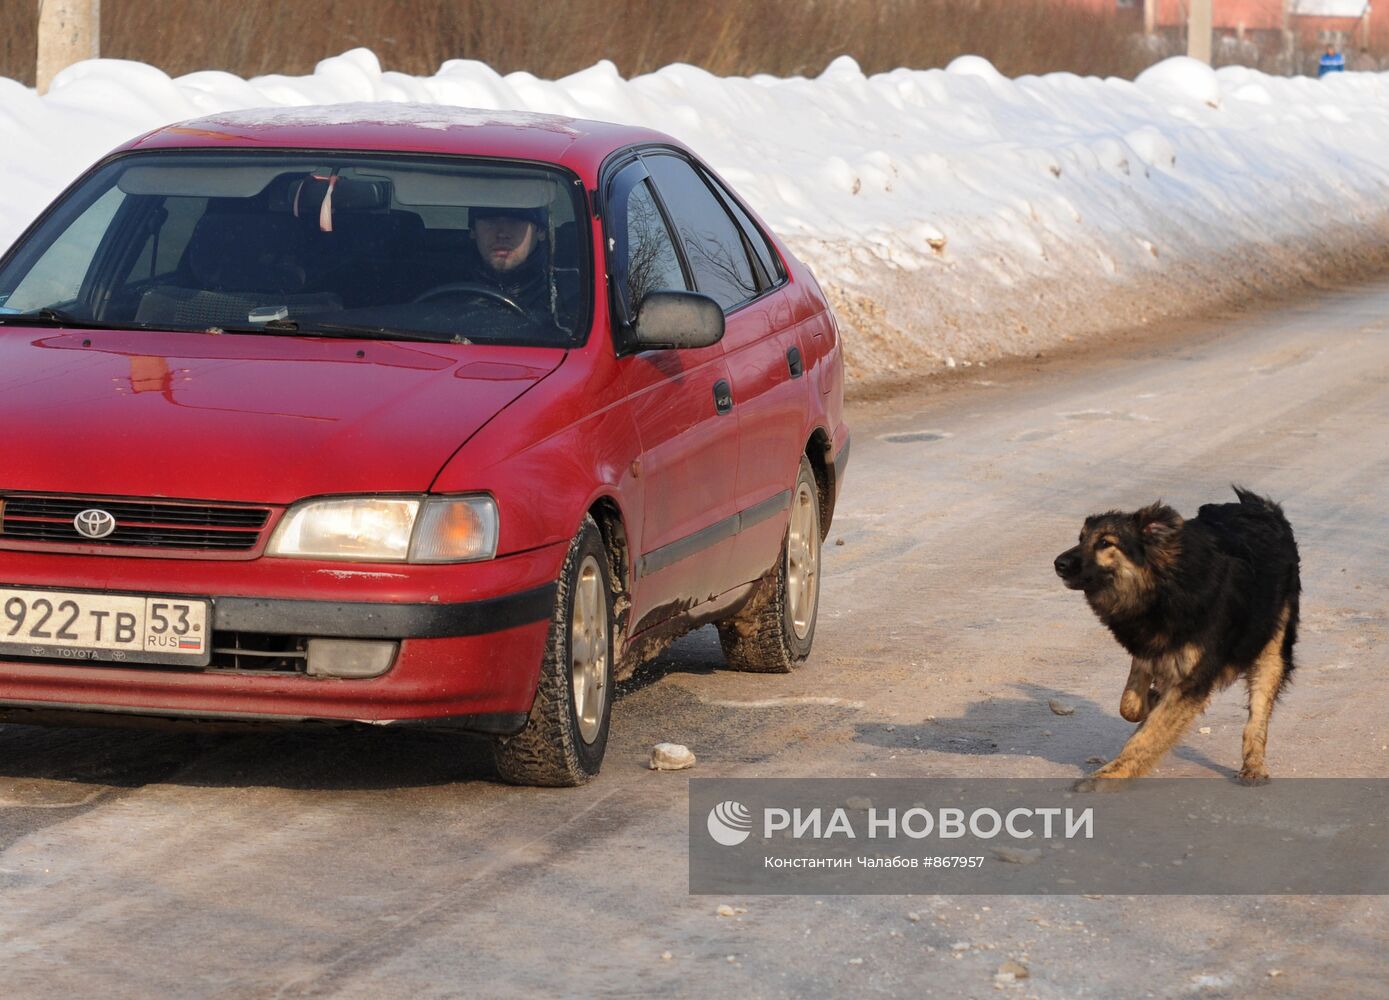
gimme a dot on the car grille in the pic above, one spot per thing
(239, 652)
(152, 524)
(261, 652)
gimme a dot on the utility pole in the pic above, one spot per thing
(1198, 31)
(1149, 16)
(1289, 39)
(69, 31)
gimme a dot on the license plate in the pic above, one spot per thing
(111, 628)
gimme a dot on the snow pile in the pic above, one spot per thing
(952, 214)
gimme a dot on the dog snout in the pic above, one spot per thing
(1067, 563)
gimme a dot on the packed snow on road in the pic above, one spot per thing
(954, 215)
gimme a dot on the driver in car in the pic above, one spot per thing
(510, 242)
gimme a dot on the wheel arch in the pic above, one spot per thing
(817, 450)
(607, 514)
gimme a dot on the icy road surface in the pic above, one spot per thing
(390, 864)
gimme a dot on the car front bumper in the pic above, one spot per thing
(471, 639)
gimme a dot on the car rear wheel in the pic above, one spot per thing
(567, 733)
(773, 633)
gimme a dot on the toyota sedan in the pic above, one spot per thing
(404, 415)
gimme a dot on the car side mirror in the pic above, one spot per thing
(678, 319)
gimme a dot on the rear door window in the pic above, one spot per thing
(761, 246)
(711, 240)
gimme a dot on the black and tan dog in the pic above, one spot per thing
(1197, 604)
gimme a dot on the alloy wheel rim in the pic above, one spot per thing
(588, 649)
(803, 560)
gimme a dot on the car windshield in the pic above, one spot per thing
(339, 244)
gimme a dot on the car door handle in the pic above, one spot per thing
(794, 362)
(723, 396)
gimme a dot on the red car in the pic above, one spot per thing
(392, 414)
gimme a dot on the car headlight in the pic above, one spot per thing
(389, 529)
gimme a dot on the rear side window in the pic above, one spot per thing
(652, 263)
(712, 242)
(760, 245)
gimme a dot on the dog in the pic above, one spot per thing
(1197, 604)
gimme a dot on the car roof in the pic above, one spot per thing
(397, 127)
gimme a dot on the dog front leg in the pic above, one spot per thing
(1169, 719)
(1134, 703)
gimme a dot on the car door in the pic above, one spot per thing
(679, 402)
(765, 361)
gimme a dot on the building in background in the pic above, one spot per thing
(1258, 30)
(1343, 23)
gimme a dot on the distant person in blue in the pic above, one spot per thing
(1331, 62)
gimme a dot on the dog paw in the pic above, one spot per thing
(1103, 780)
(1252, 776)
(1133, 706)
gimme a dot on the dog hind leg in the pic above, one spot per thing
(1169, 719)
(1264, 680)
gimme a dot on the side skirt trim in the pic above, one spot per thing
(682, 548)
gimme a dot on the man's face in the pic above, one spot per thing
(504, 242)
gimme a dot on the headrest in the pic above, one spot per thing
(377, 231)
(320, 197)
(255, 252)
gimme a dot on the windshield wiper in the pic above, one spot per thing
(347, 330)
(48, 316)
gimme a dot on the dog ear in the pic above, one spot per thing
(1157, 523)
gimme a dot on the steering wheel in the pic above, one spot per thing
(471, 288)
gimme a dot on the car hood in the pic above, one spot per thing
(260, 419)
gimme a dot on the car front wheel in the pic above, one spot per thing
(567, 733)
(772, 634)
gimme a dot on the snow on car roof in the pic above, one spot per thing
(400, 126)
(429, 116)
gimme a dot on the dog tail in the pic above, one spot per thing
(1263, 509)
(1255, 504)
(1251, 499)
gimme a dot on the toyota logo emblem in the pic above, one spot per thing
(94, 523)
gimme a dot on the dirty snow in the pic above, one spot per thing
(952, 214)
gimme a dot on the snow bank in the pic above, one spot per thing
(953, 214)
